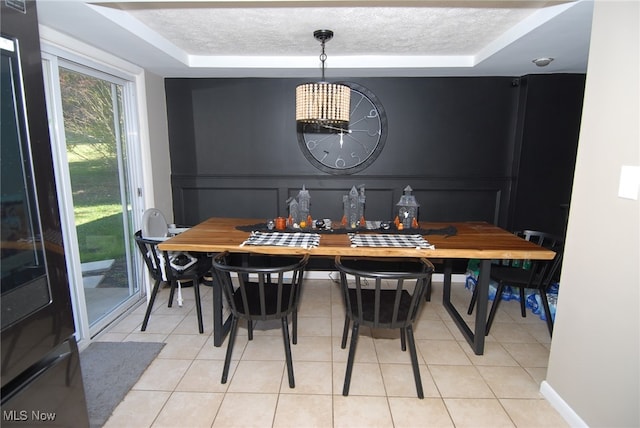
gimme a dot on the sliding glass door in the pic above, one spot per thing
(93, 168)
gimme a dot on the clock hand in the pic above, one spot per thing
(348, 131)
(369, 132)
(342, 132)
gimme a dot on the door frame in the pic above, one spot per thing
(53, 57)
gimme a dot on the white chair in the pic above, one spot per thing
(154, 224)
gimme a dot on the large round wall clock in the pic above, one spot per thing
(339, 151)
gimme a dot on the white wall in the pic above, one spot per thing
(595, 353)
(159, 161)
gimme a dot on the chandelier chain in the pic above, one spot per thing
(323, 58)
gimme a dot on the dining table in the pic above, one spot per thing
(447, 241)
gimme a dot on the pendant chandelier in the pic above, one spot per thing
(323, 104)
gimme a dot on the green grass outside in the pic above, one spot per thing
(97, 209)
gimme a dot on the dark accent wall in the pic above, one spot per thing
(543, 168)
(234, 150)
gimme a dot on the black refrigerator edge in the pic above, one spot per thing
(40, 363)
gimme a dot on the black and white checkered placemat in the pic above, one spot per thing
(280, 239)
(389, 240)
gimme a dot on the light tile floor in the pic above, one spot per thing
(181, 387)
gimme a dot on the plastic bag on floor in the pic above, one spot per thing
(471, 281)
(534, 302)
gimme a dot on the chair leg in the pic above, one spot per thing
(403, 340)
(352, 353)
(227, 358)
(171, 293)
(196, 292)
(523, 308)
(494, 308)
(287, 352)
(250, 329)
(345, 332)
(152, 299)
(414, 361)
(474, 297)
(218, 323)
(547, 311)
(294, 327)
(427, 295)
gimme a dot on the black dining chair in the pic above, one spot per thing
(519, 274)
(383, 293)
(163, 268)
(260, 288)
(155, 226)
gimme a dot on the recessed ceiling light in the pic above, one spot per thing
(542, 62)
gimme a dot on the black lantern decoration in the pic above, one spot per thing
(407, 210)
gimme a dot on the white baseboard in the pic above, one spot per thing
(561, 406)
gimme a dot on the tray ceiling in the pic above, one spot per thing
(372, 38)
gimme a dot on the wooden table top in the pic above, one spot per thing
(474, 240)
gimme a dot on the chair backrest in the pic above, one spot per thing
(154, 224)
(266, 286)
(384, 292)
(545, 271)
(152, 256)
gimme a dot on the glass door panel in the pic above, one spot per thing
(92, 109)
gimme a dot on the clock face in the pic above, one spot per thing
(347, 151)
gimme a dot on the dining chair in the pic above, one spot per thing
(383, 293)
(347, 319)
(537, 275)
(154, 226)
(163, 268)
(261, 288)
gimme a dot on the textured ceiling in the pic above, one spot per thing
(266, 38)
(358, 31)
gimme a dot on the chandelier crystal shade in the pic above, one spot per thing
(322, 103)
